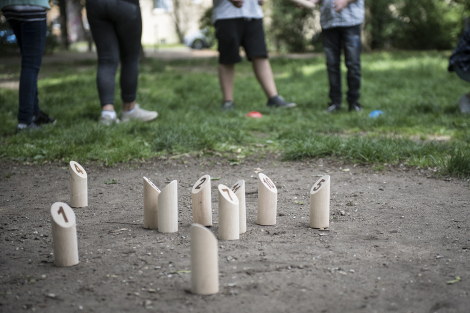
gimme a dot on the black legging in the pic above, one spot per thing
(116, 26)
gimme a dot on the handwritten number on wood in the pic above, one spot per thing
(269, 183)
(235, 188)
(202, 182)
(319, 185)
(228, 192)
(78, 169)
(61, 211)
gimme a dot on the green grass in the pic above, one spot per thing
(421, 124)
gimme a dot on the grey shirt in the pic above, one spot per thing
(224, 9)
(351, 15)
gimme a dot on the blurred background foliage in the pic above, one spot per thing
(389, 24)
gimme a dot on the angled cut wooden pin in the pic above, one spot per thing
(320, 203)
(168, 208)
(239, 190)
(64, 235)
(78, 185)
(267, 200)
(201, 201)
(229, 227)
(204, 261)
(151, 193)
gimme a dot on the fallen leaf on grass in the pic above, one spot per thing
(456, 280)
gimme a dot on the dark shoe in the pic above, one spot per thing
(43, 118)
(332, 108)
(355, 107)
(25, 127)
(279, 102)
(228, 105)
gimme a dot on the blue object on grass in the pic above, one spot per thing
(375, 113)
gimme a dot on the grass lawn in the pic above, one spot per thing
(420, 126)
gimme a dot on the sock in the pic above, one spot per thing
(22, 125)
(130, 111)
(111, 114)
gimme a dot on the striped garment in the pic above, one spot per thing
(351, 15)
(27, 13)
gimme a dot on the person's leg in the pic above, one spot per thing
(332, 47)
(128, 26)
(226, 78)
(228, 37)
(107, 46)
(264, 74)
(31, 37)
(352, 54)
(464, 101)
(254, 43)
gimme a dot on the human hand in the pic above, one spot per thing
(339, 5)
(237, 3)
(306, 4)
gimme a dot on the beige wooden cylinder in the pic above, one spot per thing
(78, 185)
(204, 261)
(239, 190)
(320, 203)
(267, 200)
(168, 208)
(64, 235)
(305, 4)
(229, 227)
(202, 202)
(151, 193)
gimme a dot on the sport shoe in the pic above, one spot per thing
(464, 104)
(138, 114)
(228, 105)
(26, 127)
(355, 107)
(332, 108)
(108, 120)
(279, 102)
(43, 118)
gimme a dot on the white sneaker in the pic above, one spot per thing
(108, 120)
(464, 104)
(138, 114)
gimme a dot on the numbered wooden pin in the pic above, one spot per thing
(204, 261)
(78, 185)
(267, 200)
(168, 208)
(229, 226)
(320, 203)
(64, 235)
(151, 193)
(239, 190)
(201, 200)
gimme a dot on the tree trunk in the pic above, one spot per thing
(74, 21)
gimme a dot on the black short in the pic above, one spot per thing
(233, 33)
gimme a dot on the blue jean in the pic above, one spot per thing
(116, 26)
(31, 38)
(349, 39)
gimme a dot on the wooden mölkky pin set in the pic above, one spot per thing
(161, 213)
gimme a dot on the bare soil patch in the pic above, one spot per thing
(397, 240)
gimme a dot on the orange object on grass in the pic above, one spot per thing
(254, 114)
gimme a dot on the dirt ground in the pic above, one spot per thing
(397, 240)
